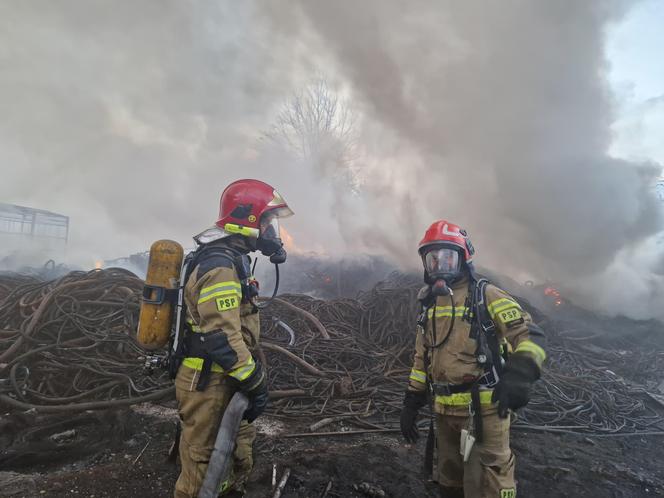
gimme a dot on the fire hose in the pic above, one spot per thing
(222, 454)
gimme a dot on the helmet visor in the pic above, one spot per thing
(440, 261)
(269, 227)
(278, 205)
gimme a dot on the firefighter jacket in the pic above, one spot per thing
(214, 300)
(450, 360)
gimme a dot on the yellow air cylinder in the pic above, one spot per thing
(161, 283)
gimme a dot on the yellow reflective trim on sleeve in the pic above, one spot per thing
(463, 399)
(501, 304)
(243, 372)
(221, 286)
(205, 297)
(230, 284)
(530, 347)
(197, 364)
(418, 376)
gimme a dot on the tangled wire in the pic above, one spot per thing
(365, 364)
(359, 371)
(582, 391)
(69, 345)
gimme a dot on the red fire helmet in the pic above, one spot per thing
(244, 202)
(444, 233)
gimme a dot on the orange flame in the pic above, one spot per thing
(550, 291)
(98, 264)
(287, 239)
(554, 293)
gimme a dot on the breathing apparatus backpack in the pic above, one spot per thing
(160, 292)
(162, 316)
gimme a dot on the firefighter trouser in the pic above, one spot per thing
(489, 472)
(201, 413)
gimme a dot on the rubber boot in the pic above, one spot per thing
(447, 492)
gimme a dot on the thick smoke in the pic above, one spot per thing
(131, 117)
(506, 109)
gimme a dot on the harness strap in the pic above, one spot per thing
(204, 377)
(476, 407)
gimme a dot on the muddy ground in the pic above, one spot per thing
(124, 454)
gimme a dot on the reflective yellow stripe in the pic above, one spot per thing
(193, 326)
(221, 286)
(501, 304)
(463, 399)
(531, 347)
(197, 364)
(240, 374)
(231, 284)
(245, 371)
(418, 376)
(220, 291)
(219, 294)
(447, 311)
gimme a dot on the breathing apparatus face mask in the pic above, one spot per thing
(269, 239)
(442, 267)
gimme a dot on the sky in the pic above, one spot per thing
(634, 50)
(534, 125)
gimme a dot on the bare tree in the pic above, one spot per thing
(317, 125)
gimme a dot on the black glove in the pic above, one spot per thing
(513, 389)
(255, 387)
(412, 402)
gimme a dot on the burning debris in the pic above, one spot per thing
(553, 294)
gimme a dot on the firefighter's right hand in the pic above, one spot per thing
(255, 387)
(412, 403)
(513, 389)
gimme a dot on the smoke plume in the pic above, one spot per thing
(132, 117)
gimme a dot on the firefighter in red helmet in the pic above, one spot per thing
(477, 354)
(215, 358)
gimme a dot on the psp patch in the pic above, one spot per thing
(227, 303)
(508, 493)
(510, 315)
